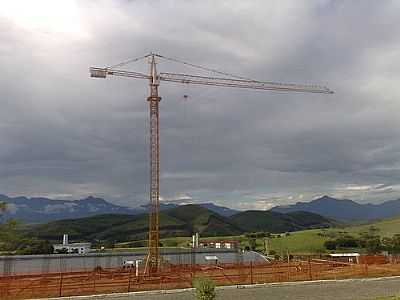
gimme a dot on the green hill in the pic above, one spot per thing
(387, 227)
(107, 227)
(256, 220)
(312, 241)
(204, 221)
(179, 221)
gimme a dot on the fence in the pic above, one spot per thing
(114, 280)
(33, 264)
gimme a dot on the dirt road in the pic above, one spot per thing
(358, 289)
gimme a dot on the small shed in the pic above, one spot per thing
(346, 257)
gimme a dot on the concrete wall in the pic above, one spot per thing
(21, 264)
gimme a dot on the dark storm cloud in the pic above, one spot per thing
(65, 134)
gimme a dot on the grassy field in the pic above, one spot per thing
(387, 227)
(312, 241)
(299, 242)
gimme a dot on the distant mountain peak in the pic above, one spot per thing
(325, 198)
(343, 209)
(39, 210)
(92, 199)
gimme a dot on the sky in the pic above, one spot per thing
(65, 135)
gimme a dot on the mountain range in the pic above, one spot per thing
(42, 210)
(183, 220)
(344, 210)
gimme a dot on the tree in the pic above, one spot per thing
(205, 288)
(371, 241)
(387, 244)
(3, 208)
(12, 240)
(330, 245)
(396, 243)
(35, 246)
(252, 244)
(260, 235)
(392, 245)
(347, 241)
(373, 245)
(9, 236)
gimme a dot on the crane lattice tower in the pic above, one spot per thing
(222, 79)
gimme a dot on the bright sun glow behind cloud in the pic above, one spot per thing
(45, 16)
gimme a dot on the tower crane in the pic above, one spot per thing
(154, 78)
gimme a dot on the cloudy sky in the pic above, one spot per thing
(67, 136)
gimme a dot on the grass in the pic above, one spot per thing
(309, 241)
(299, 242)
(389, 298)
(387, 227)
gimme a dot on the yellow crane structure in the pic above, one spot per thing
(154, 78)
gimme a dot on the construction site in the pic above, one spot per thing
(101, 280)
(223, 79)
(169, 149)
(162, 269)
(92, 274)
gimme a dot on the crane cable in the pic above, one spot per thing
(204, 68)
(214, 71)
(237, 76)
(128, 61)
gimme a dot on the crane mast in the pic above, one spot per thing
(152, 261)
(152, 265)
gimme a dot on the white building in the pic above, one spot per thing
(346, 257)
(220, 244)
(80, 248)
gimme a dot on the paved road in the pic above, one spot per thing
(339, 290)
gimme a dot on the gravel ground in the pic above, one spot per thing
(339, 290)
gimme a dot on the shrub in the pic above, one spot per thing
(260, 234)
(252, 244)
(330, 245)
(170, 243)
(205, 288)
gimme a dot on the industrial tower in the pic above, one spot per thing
(153, 257)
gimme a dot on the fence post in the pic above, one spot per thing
(309, 268)
(61, 282)
(251, 272)
(94, 281)
(129, 281)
